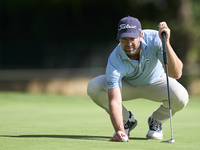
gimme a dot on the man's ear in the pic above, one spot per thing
(141, 34)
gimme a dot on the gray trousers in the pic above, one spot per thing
(157, 91)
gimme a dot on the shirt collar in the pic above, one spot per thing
(143, 44)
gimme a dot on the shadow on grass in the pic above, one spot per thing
(80, 137)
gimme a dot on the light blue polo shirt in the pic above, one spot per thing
(137, 73)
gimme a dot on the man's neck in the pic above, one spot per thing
(135, 57)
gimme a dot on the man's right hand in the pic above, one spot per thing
(117, 137)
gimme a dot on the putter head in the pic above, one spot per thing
(170, 141)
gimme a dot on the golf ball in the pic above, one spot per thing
(124, 139)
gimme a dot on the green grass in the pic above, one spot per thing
(45, 122)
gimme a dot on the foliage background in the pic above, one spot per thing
(57, 34)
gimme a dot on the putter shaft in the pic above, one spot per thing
(163, 34)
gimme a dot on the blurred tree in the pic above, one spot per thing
(184, 35)
(74, 33)
(193, 55)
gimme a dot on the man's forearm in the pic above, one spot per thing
(115, 107)
(175, 65)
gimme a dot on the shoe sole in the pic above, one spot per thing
(156, 138)
(132, 127)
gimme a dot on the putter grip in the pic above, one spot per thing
(163, 35)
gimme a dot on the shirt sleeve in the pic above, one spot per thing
(113, 76)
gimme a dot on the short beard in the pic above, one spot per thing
(130, 52)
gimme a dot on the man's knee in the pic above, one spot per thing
(90, 87)
(95, 85)
(181, 100)
(97, 90)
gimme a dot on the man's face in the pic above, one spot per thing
(131, 46)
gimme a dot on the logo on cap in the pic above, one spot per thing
(126, 26)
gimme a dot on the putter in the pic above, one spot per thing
(163, 35)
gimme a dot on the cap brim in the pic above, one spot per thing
(131, 35)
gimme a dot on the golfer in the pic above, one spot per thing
(135, 70)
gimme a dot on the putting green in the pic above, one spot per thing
(33, 121)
